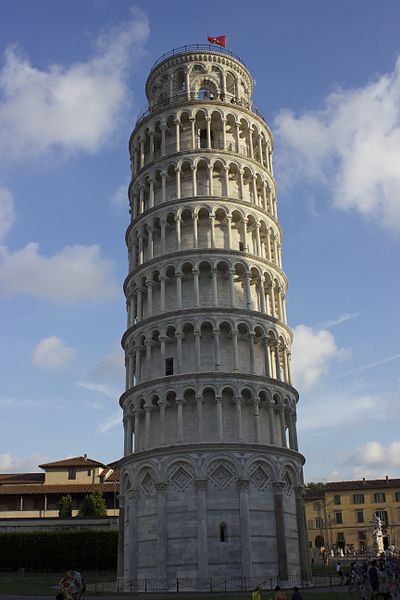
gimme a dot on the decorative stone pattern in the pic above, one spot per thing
(211, 474)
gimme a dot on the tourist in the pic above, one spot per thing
(296, 595)
(66, 586)
(279, 594)
(256, 595)
(373, 576)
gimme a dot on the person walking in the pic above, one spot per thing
(279, 594)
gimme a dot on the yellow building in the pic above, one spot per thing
(36, 495)
(339, 516)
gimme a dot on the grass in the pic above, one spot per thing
(43, 583)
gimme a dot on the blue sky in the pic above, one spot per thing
(71, 84)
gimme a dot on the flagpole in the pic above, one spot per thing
(229, 42)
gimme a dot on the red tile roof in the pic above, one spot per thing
(62, 488)
(75, 461)
(21, 478)
(361, 484)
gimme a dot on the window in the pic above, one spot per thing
(337, 500)
(319, 523)
(397, 496)
(360, 516)
(89, 472)
(340, 536)
(169, 366)
(72, 473)
(338, 518)
(317, 506)
(223, 532)
(380, 497)
(382, 514)
(362, 535)
(358, 499)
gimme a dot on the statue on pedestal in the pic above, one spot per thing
(377, 533)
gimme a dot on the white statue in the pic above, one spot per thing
(377, 532)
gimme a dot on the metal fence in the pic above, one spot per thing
(217, 584)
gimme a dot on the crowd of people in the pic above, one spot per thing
(379, 579)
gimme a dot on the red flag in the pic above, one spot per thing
(220, 40)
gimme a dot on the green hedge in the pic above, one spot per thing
(55, 550)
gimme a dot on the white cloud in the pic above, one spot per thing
(76, 273)
(312, 352)
(68, 109)
(110, 422)
(352, 145)
(119, 199)
(7, 213)
(52, 353)
(342, 318)
(373, 459)
(99, 388)
(10, 463)
(336, 410)
(110, 368)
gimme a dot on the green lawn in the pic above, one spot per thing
(43, 583)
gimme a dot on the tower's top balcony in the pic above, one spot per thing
(200, 72)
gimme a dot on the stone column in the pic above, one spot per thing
(194, 180)
(279, 487)
(148, 344)
(147, 424)
(132, 518)
(247, 290)
(178, 182)
(283, 425)
(217, 351)
(238, 401)
(163, 405)
(129, 434)
(210, 181)
(138, 366)
(197, 349)
(208, 124)
(224, 135)
(163, 127)
(260, 152)
(232, 287)
(178, 276)
(121, 537)
(179, 403)
(162, 293)
(277, 361)
(257, 419)
(193, 133)
(229, 225)
(214, 286)
(195, 231)
(199, 404)
(270, 409)
(136, 413)
(196, 290)
(212, 219)
(235, 351)
(151, 192)
(237, 138)
(149, 285)
(178, 337)
(162, 529)
(163, 339)
(302, 533)
(226, 173)
(244, 516)
(267, 357)
(163, 186)
(163, 225)
(202, 545)
(251, 348)
(219, 418)
(177, 135)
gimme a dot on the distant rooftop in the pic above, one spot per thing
(75, 461)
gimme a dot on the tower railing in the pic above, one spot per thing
(194, 47)
(192, 97)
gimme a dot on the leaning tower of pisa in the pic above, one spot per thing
(211, 478)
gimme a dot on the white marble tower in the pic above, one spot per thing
(212, 486)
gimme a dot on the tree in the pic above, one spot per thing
(319, 485)
(93, 505)
(65, 506)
